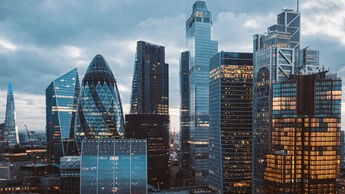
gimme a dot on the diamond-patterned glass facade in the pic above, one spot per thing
(99, 111)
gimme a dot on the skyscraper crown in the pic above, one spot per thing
(98, 71)
(200, 6)
(9, 89)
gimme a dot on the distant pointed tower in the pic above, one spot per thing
(11, 129)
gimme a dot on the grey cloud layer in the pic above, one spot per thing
(41, 40)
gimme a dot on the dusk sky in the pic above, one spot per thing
(41, 40)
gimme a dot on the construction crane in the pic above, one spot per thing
(32, 148)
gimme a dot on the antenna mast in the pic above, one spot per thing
(297, 5)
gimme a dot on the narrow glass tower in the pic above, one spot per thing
(150, 86)
(201, 48)
(149, 114)
(11, 129)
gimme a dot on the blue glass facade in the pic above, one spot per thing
(11, 129)
(201, 48)
(231, 77)
(99, 111)
(113, 166)
(275, 58)
(61, 104)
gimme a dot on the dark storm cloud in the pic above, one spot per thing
(41, 40)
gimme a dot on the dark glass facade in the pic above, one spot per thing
(184, 110)
(2, 128)
(149, 114)
(154, 128)
(11, 129)
(61, 104)
(201, 48)
(306, 124)
(230, 144)
(113, 166)
(150, 86)
(99, 111)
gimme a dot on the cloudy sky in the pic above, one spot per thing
(41, 40)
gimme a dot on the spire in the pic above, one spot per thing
(9, 88)
(297, 5)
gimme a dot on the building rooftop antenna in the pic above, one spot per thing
(297, 5)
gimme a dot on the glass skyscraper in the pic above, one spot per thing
(10, 129)
(154, 128)
(231, 78)
(201, 48)
(99, 111)
(279, 59)
(150, 86)
(275, 58)
(304, 156)
(149, 114)
(113, 166)
(61, 104)
(184, 109)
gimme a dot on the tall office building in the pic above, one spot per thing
(99, 111)
(231, 78)
(149, 114)
(154, 128)
(201, 48)
(2, 139)
(184, 110)
(61, 104)
(275, 58)
(150, 86)
(304, 156)
(11, 129)
(113, 166)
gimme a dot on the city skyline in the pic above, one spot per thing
(41, 42)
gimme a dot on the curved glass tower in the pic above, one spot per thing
(99, 111)
(61, 103)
